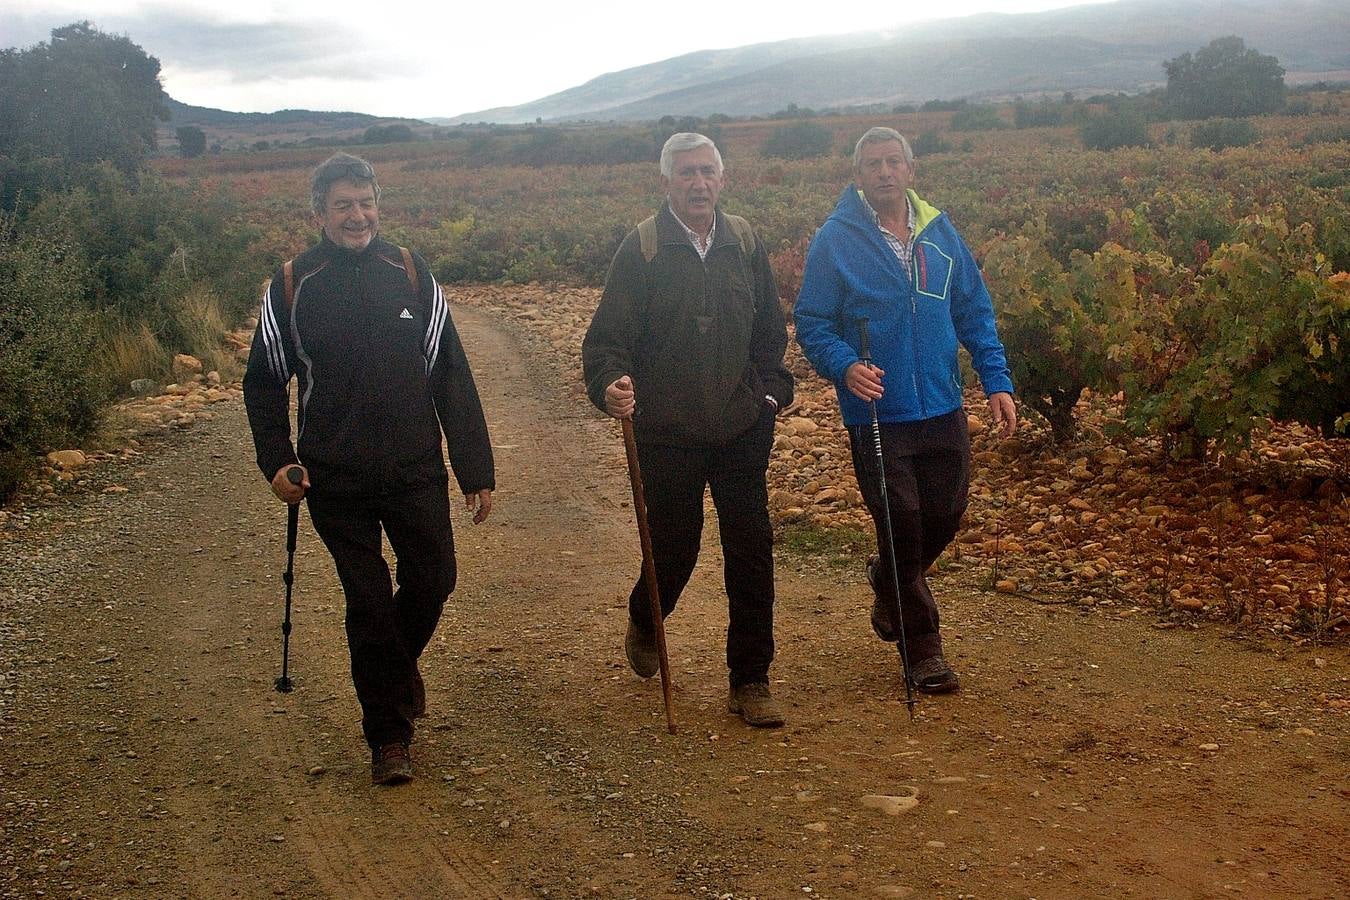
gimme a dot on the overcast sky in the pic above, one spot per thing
(420, 59)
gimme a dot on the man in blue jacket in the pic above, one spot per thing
(886, 256)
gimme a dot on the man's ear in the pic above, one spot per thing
(665, 185)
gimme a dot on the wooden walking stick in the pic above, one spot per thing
(648, 565)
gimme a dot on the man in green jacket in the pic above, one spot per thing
(688, 342)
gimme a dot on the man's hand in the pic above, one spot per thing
(619, 398)
(480, 504)
(1004, 413)
(287, 492)
(864, 380)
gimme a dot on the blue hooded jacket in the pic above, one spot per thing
(913, 322)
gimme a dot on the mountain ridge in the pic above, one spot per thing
(1117, 46)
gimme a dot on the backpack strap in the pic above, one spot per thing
(647, 237)
(411, 270)
(744, 234)
(288, 281)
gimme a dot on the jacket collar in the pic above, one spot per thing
(852, 210)
(670, 231)
(331, 250)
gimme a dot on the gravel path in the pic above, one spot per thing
(146, 755)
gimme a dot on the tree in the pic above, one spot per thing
(1224, 78)
(800, 140)
(191, 141)
(396, 132)
(84, 96)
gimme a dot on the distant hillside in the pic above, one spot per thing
(1110, 47)
(235, 129)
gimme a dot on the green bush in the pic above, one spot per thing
(1113, 130)
(48, 394)
(930, 142)
(800, 140)
(1041, 115)
(977, 118)
(1220, 134)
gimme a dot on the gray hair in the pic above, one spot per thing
(878, 135)
(682, 141)
(339, 167)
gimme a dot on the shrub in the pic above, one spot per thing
(47, 395)
(1041, 115)
(1113, 130)
(800, 140)
(928, 143)
(977, 118)
(1220, 134)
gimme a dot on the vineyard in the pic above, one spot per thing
(1177, 318)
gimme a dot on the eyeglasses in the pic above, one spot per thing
(357, 171)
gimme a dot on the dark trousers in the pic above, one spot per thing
(927, 480)
(673, 482)
(388, 629)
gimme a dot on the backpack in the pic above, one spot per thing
(744, 233)
(288, 276)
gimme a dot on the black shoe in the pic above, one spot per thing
(933, 676)
(640, 648)
(883, 620)
(419, 693)
(391, 764)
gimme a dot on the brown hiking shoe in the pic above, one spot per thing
(640, 648)
(391, 764)
(883, 618)
(934, 676)
(753, 703)
(419, 697)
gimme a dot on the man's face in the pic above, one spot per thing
(883, 174)
(693, 186)
(350, 215)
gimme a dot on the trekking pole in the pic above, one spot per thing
(888, 538)
(295, 475)
(649, 566)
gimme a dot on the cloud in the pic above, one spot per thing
(193, 41)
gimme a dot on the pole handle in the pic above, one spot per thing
(864, 342)
(295, 475)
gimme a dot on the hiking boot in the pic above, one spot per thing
(753, 703)
(934, 676)
(640, 648)
(883, 619)
(419, 697)
(391, 764)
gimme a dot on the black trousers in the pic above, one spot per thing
(927, 482)
(674, 479)
(388, 629)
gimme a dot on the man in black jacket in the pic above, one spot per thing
(365, 330)
(688, 341)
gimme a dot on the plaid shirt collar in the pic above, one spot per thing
(697, 239)
(903, 250)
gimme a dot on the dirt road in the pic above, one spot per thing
(1090, 754)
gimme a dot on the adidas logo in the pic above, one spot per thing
(405, 314)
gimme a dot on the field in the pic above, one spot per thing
(1147, 605)
(1147, 297)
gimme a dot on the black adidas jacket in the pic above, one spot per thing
(381, 374)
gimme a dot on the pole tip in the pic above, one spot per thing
(284, 685)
